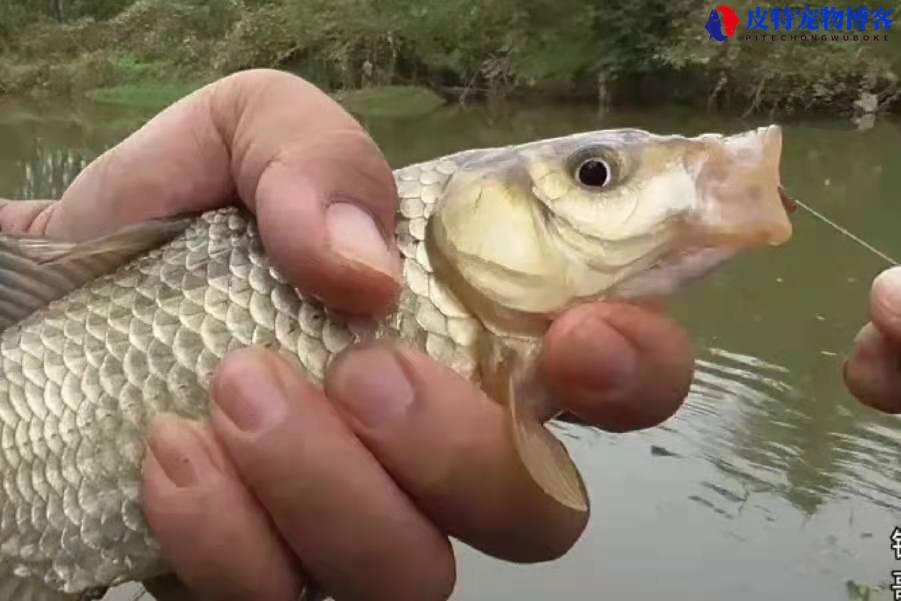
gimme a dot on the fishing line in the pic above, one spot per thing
(845, 232)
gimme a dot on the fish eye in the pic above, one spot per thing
(594, 173)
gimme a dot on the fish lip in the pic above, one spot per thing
(673, 272)
(741, 199)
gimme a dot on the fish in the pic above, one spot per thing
(99, 337)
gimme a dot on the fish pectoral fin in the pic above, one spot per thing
(35, 271)
(13, 588)
(512, 381)
(545, 457)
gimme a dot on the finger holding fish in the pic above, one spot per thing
(512, 241)
(618, 366)
(179, 173)
(321, 189)
(614, 215)
(189, 485)
(441, 463)
(448, 446)
(440, 447)
(352, 528)
(623, 365)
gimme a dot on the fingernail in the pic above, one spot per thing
(249, 390)
(601, 360)
(864, 332)
(887, 286)
(355, 236)
(372, 385)
(179, 451)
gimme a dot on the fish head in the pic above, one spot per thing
(530, 230)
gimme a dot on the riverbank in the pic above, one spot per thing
(147, 52)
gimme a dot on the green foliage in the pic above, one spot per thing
(13, 18)
(788, 75)
(492, 47)
(498, 44)
(263, 37)
(62, 10)
(390, 101)
(153, 96)
(635, 34)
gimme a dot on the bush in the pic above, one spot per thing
(495, 47)
(262, 37)
(784, 76)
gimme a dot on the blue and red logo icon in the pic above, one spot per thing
(721, 23)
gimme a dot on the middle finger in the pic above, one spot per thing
(355, 532)
(448, 445)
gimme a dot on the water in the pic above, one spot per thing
(771, 482)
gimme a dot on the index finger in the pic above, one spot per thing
(323, 194)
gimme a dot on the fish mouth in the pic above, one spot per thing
(742, 202)
(741, 205)
(674, 272)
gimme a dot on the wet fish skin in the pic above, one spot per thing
(83, 378)
(84, 375)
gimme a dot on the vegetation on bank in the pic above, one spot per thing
(619, 51)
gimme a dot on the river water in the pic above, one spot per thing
(771, 482)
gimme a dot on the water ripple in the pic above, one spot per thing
(48, 172)
(757, 424)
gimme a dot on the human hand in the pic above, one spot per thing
(873, 370)
(362, 484)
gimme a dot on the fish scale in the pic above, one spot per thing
(84, 376)
(97, 338)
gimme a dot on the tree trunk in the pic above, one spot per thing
(56, 9)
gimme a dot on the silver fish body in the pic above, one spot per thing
(84, 375)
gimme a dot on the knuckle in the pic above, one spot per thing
(252, 80)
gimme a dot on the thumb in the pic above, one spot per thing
(323, 194)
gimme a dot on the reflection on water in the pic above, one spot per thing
(47, 173)
(771, 482)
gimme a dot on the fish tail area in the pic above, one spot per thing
(13, 588)
(545, 458)
(35, 271)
